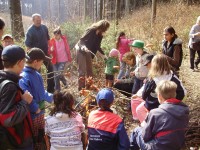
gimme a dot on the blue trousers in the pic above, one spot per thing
(58, 76)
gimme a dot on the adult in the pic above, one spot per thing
(87, 47)
(172, 48)
(38, 36)
(2, 25)
(194, 44)
(60, 51)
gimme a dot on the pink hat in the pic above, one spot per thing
(114, 53)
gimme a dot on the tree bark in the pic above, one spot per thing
(16, 20)
(127, 4)
(117, 12)
(85, 9)
(153, 15)
(101, 10)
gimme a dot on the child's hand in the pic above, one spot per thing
(116, 67)
(117, 80)
(27, 97)
(134, 96)
(38, 111)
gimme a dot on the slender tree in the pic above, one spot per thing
(16, 19)
(153, 15)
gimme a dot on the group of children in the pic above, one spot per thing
(156, 92)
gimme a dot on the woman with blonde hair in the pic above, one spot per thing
(87, 47)
(160, 70)
(194, 44)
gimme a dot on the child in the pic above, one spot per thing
(32, 81)
(165, 126)
(64, 125)
(2, 25)
(7, 39)
(111, 67)
(105, 129)
(172, 48)
(160, 70)
(15, 120)
(125, 84)
(141, 71)
(122, 45)
(60, 51)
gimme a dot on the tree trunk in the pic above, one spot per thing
(16, 20)
(127, 4)
(85, 9)
(117, 12)
(153, 15)
(101, 9)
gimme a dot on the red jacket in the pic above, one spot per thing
(52, 43)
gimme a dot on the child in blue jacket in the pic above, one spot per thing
(105, 129)
(165, 126)
(32, 81)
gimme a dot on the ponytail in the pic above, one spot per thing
(118, 39)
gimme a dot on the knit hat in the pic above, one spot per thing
(105, 94)
(138, 44)
(114, 53)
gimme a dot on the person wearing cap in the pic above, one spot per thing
(7, 39)
(140, 71)
(15, 120)
(60, 51)
(37, 35)
(106, 130)
(2, 25)
(111, 67)
(32, 81)
(160, 70)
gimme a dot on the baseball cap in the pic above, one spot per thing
(105, 94)
(37, 54)
(7, 35)
(148, 58)
(13, 53)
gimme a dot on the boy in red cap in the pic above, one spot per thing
(105, 129)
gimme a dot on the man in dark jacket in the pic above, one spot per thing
(38, 36)
(15, 121)
(165, 126)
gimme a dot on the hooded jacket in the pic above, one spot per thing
(64, 131)
(149, 95)
(106, 131)
(15, 121)
(110, 63)
(173, 52)
(32, 81)
(165, 126)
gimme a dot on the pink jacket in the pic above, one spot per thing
(52, 42)
(123, 46)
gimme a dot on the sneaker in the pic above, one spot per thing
(192, 70)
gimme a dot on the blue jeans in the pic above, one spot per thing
(58, 75)
(137, 85)
(122, 70)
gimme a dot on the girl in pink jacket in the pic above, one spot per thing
(122, 45)
(60, 53)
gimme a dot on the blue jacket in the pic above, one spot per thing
(32, 81)
(106, 131)
(166, 125)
